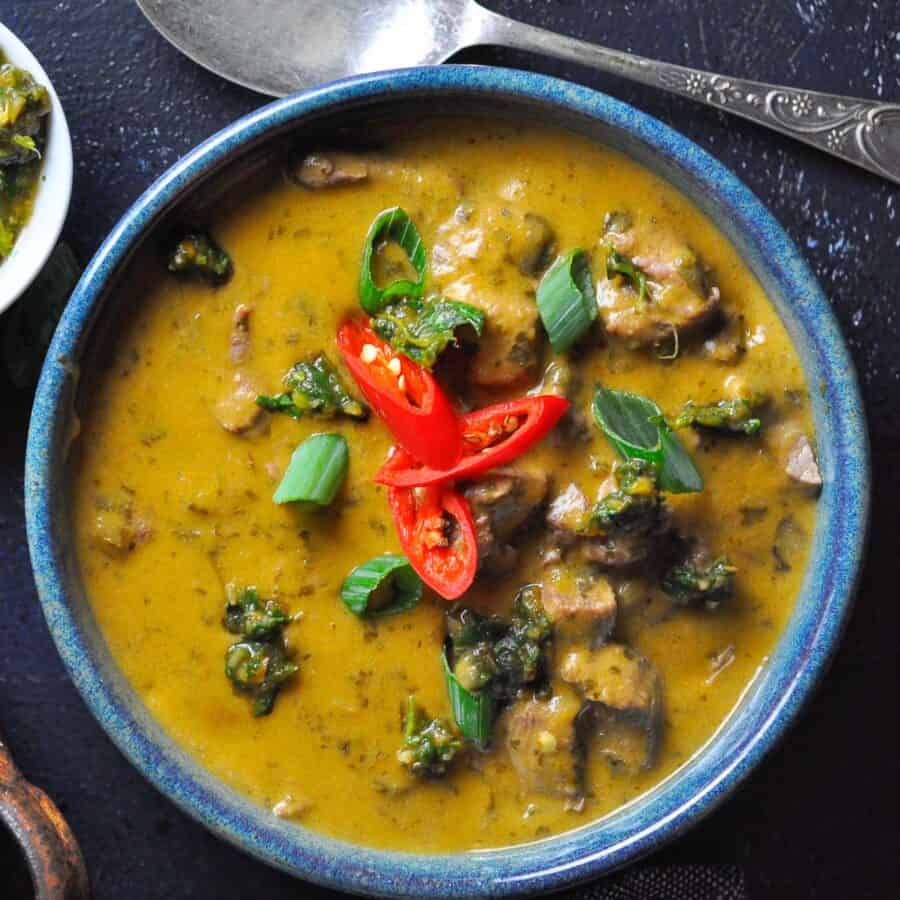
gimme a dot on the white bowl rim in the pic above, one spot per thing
(40, 234)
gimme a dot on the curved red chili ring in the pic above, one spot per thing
(493, 436)
(415, 409)
(446, 558)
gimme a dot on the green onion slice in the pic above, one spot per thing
(473, 712)
(565, 299)
(383, 586)
(316, 471)
(392, 225)
(636, 427)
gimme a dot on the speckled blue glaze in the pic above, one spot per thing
(770, 703)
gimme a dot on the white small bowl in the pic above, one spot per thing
(51, 205)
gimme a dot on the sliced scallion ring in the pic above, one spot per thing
(473, 712)
(383, 586)
(566, 301)
(316, 471)
(393, 225)
(636, 427)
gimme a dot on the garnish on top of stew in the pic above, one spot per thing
(538, 576)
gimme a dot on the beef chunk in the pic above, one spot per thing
(118, 529)
(480, 258)
(625, 743)
(615, 676)
(502, 503)
(631, 528)
(239, 340)
(677, 295)
(729, 343)
(237, 411)
(543, 743)
(801, 463)
(567, 511)
(580, 603)
(330, 169)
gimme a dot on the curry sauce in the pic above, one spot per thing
(170, 507)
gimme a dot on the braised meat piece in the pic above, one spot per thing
(616, 676)
(488, 256)
(622, 527)
(801, 463)
(543, 743)
(654, 285)
(502, 503)
(330, 169)
(580, 603)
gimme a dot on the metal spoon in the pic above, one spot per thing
(279, 46)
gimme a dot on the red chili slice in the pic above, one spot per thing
(491, 437)
(437, 532)
(404, 394)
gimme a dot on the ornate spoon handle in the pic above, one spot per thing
(863, 132)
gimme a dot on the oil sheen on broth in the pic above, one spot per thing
(193, 500)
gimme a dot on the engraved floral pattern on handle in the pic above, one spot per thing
(866, 132)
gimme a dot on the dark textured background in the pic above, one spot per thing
(817, 819)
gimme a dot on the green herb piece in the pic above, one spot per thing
(473, 712)
(696, 581)
(249, 616)
(519, 654)
(391, 225)
(258, 664)
(635, 426)
(566, 301)
(24, 104)
(429, 745)
(635, 505)
(314, 386)
(497, 657)
(617, 264)
(731, 416)
(198, 254)
(316, 471)
(259, 668)
(383, 586)
(422, 329)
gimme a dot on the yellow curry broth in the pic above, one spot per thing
(205, 496)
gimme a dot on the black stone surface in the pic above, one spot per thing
(818, 819)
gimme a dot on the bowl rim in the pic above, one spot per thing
(769, 704)
(40, 233)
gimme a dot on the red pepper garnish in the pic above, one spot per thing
(491, 437)
(437, 532)
(404, 394)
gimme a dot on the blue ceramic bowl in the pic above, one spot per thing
(771, 702)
